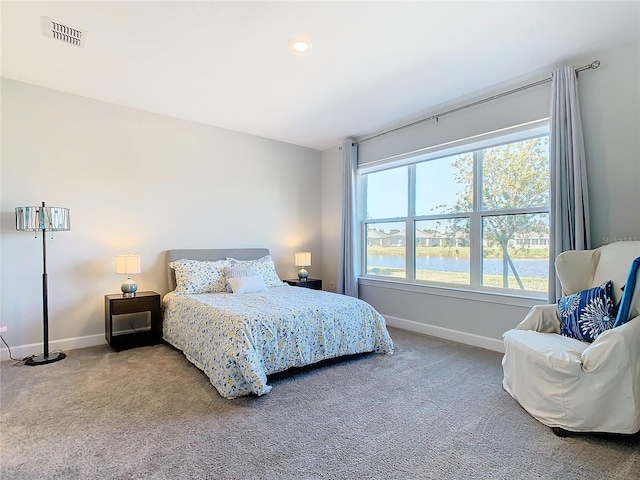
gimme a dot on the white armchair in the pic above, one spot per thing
(568, 384)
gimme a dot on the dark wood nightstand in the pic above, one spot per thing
(143, 302)
(313, 283)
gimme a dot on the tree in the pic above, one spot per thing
(513, 176)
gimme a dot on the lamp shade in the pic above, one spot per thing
(302, 259)
(127, 264)
(31, 219)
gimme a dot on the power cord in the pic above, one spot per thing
(8, 348)
(20, 361)
(17, 360)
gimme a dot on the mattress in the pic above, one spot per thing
(237, 340)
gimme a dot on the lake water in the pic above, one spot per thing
(535, 268)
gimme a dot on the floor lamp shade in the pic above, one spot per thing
(32, 219)
(54, 219)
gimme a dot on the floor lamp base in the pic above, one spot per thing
(42, 360)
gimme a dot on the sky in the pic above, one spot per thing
(387, 190)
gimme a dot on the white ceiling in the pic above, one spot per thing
(372, 64)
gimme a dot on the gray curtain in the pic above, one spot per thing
(348, 263)
(569, 222)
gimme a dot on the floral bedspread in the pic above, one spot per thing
(237, 340)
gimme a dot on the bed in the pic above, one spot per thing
(238, 339)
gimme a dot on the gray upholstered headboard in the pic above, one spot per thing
(211, 255)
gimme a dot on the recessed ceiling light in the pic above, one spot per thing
(299, 45)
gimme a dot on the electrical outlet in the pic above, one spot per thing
(3, 329)
(332, 285)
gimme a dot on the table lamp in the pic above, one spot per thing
(126, 265)
(303, 259)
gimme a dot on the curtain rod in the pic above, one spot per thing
(592, 66)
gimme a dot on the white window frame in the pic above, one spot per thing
(473, 144)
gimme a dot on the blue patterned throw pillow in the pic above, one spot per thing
(588, 313)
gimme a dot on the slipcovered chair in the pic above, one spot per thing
(568, 384)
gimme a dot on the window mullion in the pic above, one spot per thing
(410, 247)
(475, 235)
(362, 183)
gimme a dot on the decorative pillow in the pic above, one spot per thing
(193, 276)
(624, 312)
(237, 271)
(588, 313)
(266, 258)
(251, 284)
(263, 266)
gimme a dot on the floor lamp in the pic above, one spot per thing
(34, 219)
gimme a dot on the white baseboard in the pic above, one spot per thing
(22, 351)
(446, 333)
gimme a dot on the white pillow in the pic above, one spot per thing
(193, 276)
(263, 266)
(237, 271)
(251, 284)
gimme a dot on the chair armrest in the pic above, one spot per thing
(615, 350)
(542, 318)
(543, 353)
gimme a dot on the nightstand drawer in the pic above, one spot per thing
(122, 305)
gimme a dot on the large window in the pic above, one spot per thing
(476, 218)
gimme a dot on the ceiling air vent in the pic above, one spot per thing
(64, 33)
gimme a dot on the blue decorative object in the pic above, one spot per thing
(129, 288)
(629, 288)
(588, 313)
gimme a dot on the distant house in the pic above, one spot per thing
(430, 239)
(397, 239)
(436, 239)
(531, 240)
(376, 238)
(422, 238)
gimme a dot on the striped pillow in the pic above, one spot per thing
(263, 266)
(237, 271)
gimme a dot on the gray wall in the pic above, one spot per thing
(143, 183)
(611, 120)
(140, 183)
(610, 105)
(331, 215)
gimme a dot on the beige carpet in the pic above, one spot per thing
(433, 410)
